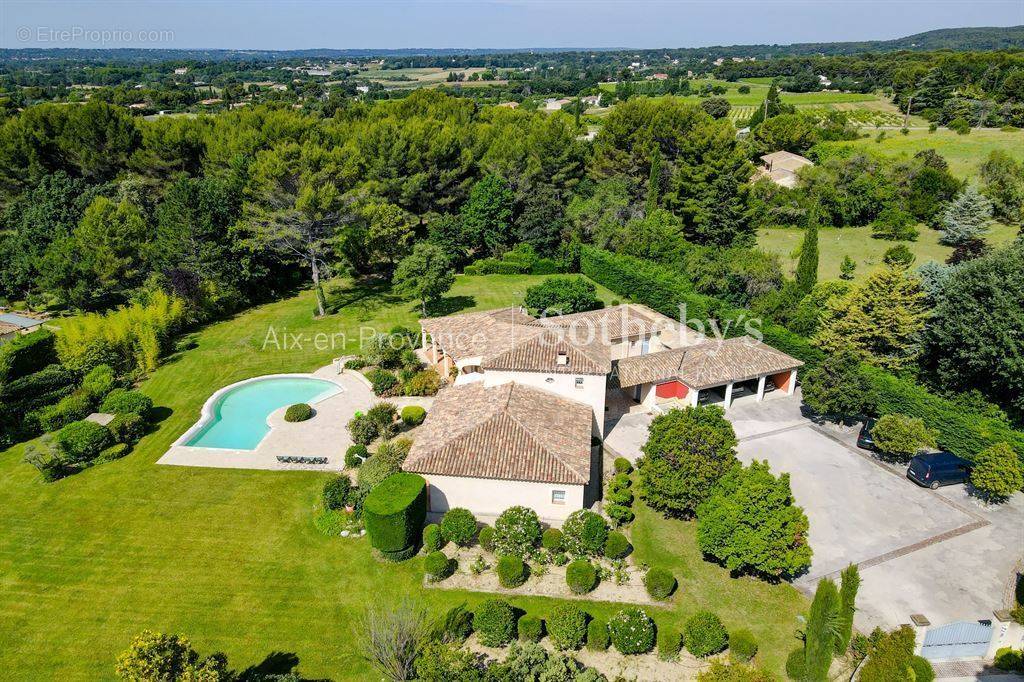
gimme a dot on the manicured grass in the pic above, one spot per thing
(965, 153)
(231, 557)
(856, 242)
(758, 91)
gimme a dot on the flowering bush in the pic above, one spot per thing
(632, 631)
(584, 533)
(517, 531)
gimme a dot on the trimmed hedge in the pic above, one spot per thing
(413, 415)
(961, 430)
(551, 540)
(742, 645)
(669, 643)
(99, 381)
(299, 412)
(70, 408)
(27, 354)
(660, 583)
(437, 566)
(432, 540)
(617, 546)
(581, 576)
(567, 626)
(459, 526)
(494, 622)
(127, 428)
(82, 441)
(632, 631)
(115, 451)
(531, 629)
(597, 635)
(511, 571)
(394, 512)
(486, 538)
(622, 465)
(705, 634)
(122, 401)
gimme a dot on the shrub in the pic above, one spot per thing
(552, 540)
(376, 470)
(621, 482)
(115, 451)
(669, 643)
(516, 531)
(122, 401)
(659, 582)
(432, 540)
(704, 634)
(70, 408)
(623, 498)
(494, 622)
(531, 629)
(617, 546)
(511, 571)
(622, 465)
(597, 635)
(795, 664)
(567, 626)
(581, 576)
(127, 428)
(742, 645)
(362, 429)
(632, 631)
(355, 363)
(336, 491)
(413, 415)
(383, 414)
(486, 538)
(82, 441)
(960, 126)
(381, 380)
(563, 295)
(437, 566)
(923, 671)
(99, 381)
(394, 512)
(619, 514)
(426, 382)
(459, 526)
(584, 533)
(299, 412)
(1008, 659)
(902, 437)
(997, 472)
(355, 455)
(26, 354)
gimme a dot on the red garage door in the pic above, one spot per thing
(671, 389)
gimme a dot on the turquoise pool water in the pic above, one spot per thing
(240, 415)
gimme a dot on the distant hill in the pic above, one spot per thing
(970, 38)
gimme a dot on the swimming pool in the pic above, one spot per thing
(238, 416)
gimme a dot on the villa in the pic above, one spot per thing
(781, 168)
(530, 398)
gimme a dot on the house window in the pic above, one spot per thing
(645, 347)
(579, 382)
(557, 497)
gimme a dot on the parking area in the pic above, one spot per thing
(943, 554)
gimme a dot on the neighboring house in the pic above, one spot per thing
(781, 168)
(12, 324)
(530, 394)
(508, 105)
(592, 100)
(659, 77)
(555, 104)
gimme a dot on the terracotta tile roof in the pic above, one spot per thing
(614, 323)
(480, 334)
(542, 352)
(704, 365)
(509, 432)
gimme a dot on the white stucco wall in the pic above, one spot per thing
(491, 496)
(591, 393)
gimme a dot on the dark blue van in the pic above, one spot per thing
(938, 468)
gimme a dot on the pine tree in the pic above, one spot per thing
(966, 218)
(820, 635)
(807, 266)
(847, 268)
(850, 583)
(654, 182)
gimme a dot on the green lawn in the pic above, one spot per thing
(857, 242)
(230, 557)
(965, 153)
(758, 91)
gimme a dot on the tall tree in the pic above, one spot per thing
(654, 182)
(820, 633)
(425, 274)
(807, 266)
(966, 218)
(1003, 184)
(487, 215)
(849, 584)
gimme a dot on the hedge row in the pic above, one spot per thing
(961, 430)
(26, 354)
(394, 512)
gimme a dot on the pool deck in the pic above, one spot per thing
(324, 435)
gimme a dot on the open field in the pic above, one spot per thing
(422, 77)
(231, 558)
(963, 152)
(757, 94)
(834, 243)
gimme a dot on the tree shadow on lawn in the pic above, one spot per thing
(449, 305)
(277, 663)
(364, 294)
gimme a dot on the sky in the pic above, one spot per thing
(306, 24)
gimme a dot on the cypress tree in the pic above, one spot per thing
(654, 182)
(807, 266)
(820, 635)
(850, 583)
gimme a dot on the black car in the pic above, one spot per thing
(864, 438)
(938, 468)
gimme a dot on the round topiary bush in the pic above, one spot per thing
(622, 497)
(567, 626)
(632, 631)
(581, 576)
(394, 512)
(552, 540)
(413, 415)
(584, 533)
(619, 513)
(659, 583)
(437, 566)
(621, 481)
(127, 428)
(432, 539)
(459, 526)
(494, 622)
(486, 538)
(299, 412)
(355, 455)
(742, 645)
(335, 493)
(923, 670)
(669, 643)
(622, 465)
(704, 634)
(82, 441)
(122, 401)
(597, 635)
(795, 664)
(511, 571)
(517, 531)
(531, 629)
(616, 546)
